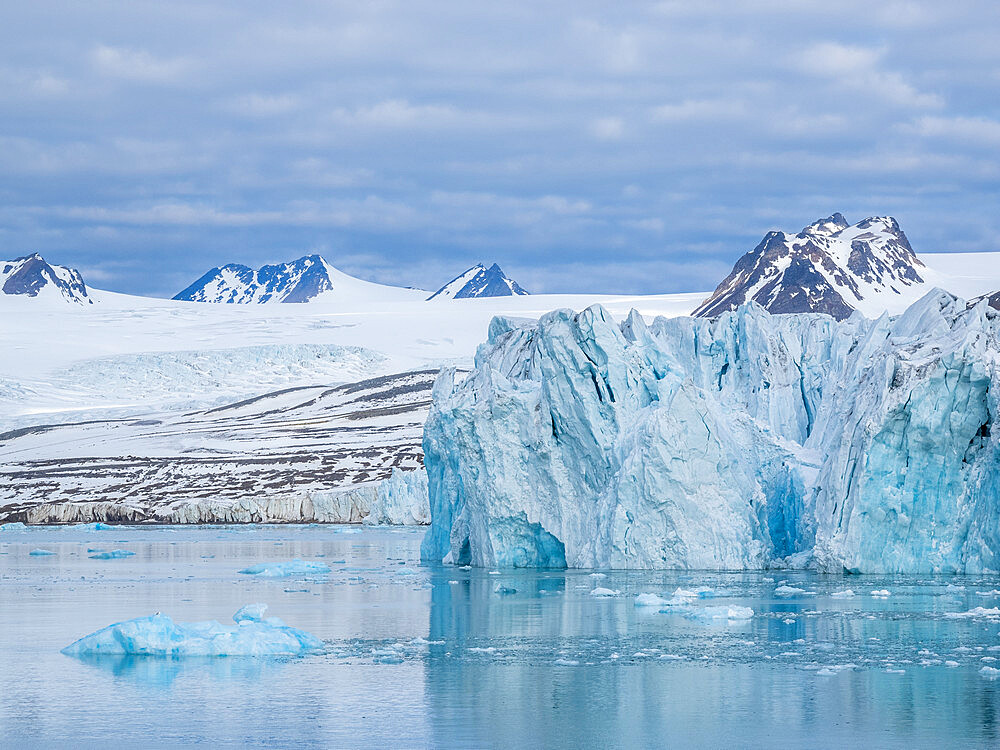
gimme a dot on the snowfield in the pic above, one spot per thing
(144, 409)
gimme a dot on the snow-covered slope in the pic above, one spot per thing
(742, 441)
(285, 455)
(304, 280)
(831, 267)
(31, 276)
(479, 281)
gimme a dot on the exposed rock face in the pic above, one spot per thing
(479, 281)
(743, 441)
(31, 276)
(298, 281)
(829, 267)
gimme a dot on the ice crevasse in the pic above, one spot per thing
(744, 441)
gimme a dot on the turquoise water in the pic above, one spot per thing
(421, 656)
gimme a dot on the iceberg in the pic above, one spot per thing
(41, 552)
(115, 554)
(286, 568)
(744, 441)
(159, 635)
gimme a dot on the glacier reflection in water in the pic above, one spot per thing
(420, 656)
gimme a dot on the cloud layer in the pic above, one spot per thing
(584, 146)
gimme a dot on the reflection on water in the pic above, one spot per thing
(445, 657)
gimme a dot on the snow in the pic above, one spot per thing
(731, 443)
(286, 568)
(159, 635)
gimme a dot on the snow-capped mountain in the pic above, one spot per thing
(830, 266)
(31, 276)
(303, 280)
(479, 281)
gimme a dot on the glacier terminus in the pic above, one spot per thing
(745, 441)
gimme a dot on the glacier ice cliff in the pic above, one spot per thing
(400, 499)
(159, 635)
(744, 441)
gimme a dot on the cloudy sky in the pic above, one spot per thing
(627, 147)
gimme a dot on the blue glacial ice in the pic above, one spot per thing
(159, 635)
(286, 568)
(41, 552)
(745, 441)
(115, 554)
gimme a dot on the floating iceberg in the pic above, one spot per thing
(286, 568)
(12, 526)
(115, 554)
(745, 441)
(158, 635)
(41, 552)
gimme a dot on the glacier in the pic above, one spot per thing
(159, 635)
(744, 441)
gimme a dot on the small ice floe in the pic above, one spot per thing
(977, 612)
(881, 593)
(651, 600)
(950, 663)
(95, 526)
(990, 673)
(833, 669)
(603, 593)
(598, 575)
(158, 635)
(731, 613)
(41, 552)
(12, 526)
(567, 662)
(115, 554)
(787, 591)
(845, 594)
(895, 671)
(504, 590)
(286, 568)
(994, 592)
(482, 650)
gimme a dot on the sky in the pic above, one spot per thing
(585, 147)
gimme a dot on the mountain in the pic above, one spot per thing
(31, 276)
(479, 281)
(830, 266)
(303, 280)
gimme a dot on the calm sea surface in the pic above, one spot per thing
(422, 656)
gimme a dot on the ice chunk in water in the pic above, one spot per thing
(158, 635)
(602, 592)
(41, 552)
(650, 600)
(12, 526)
(286, 568)
(115, 554)
(250, 613)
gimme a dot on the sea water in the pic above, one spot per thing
(422, 656)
